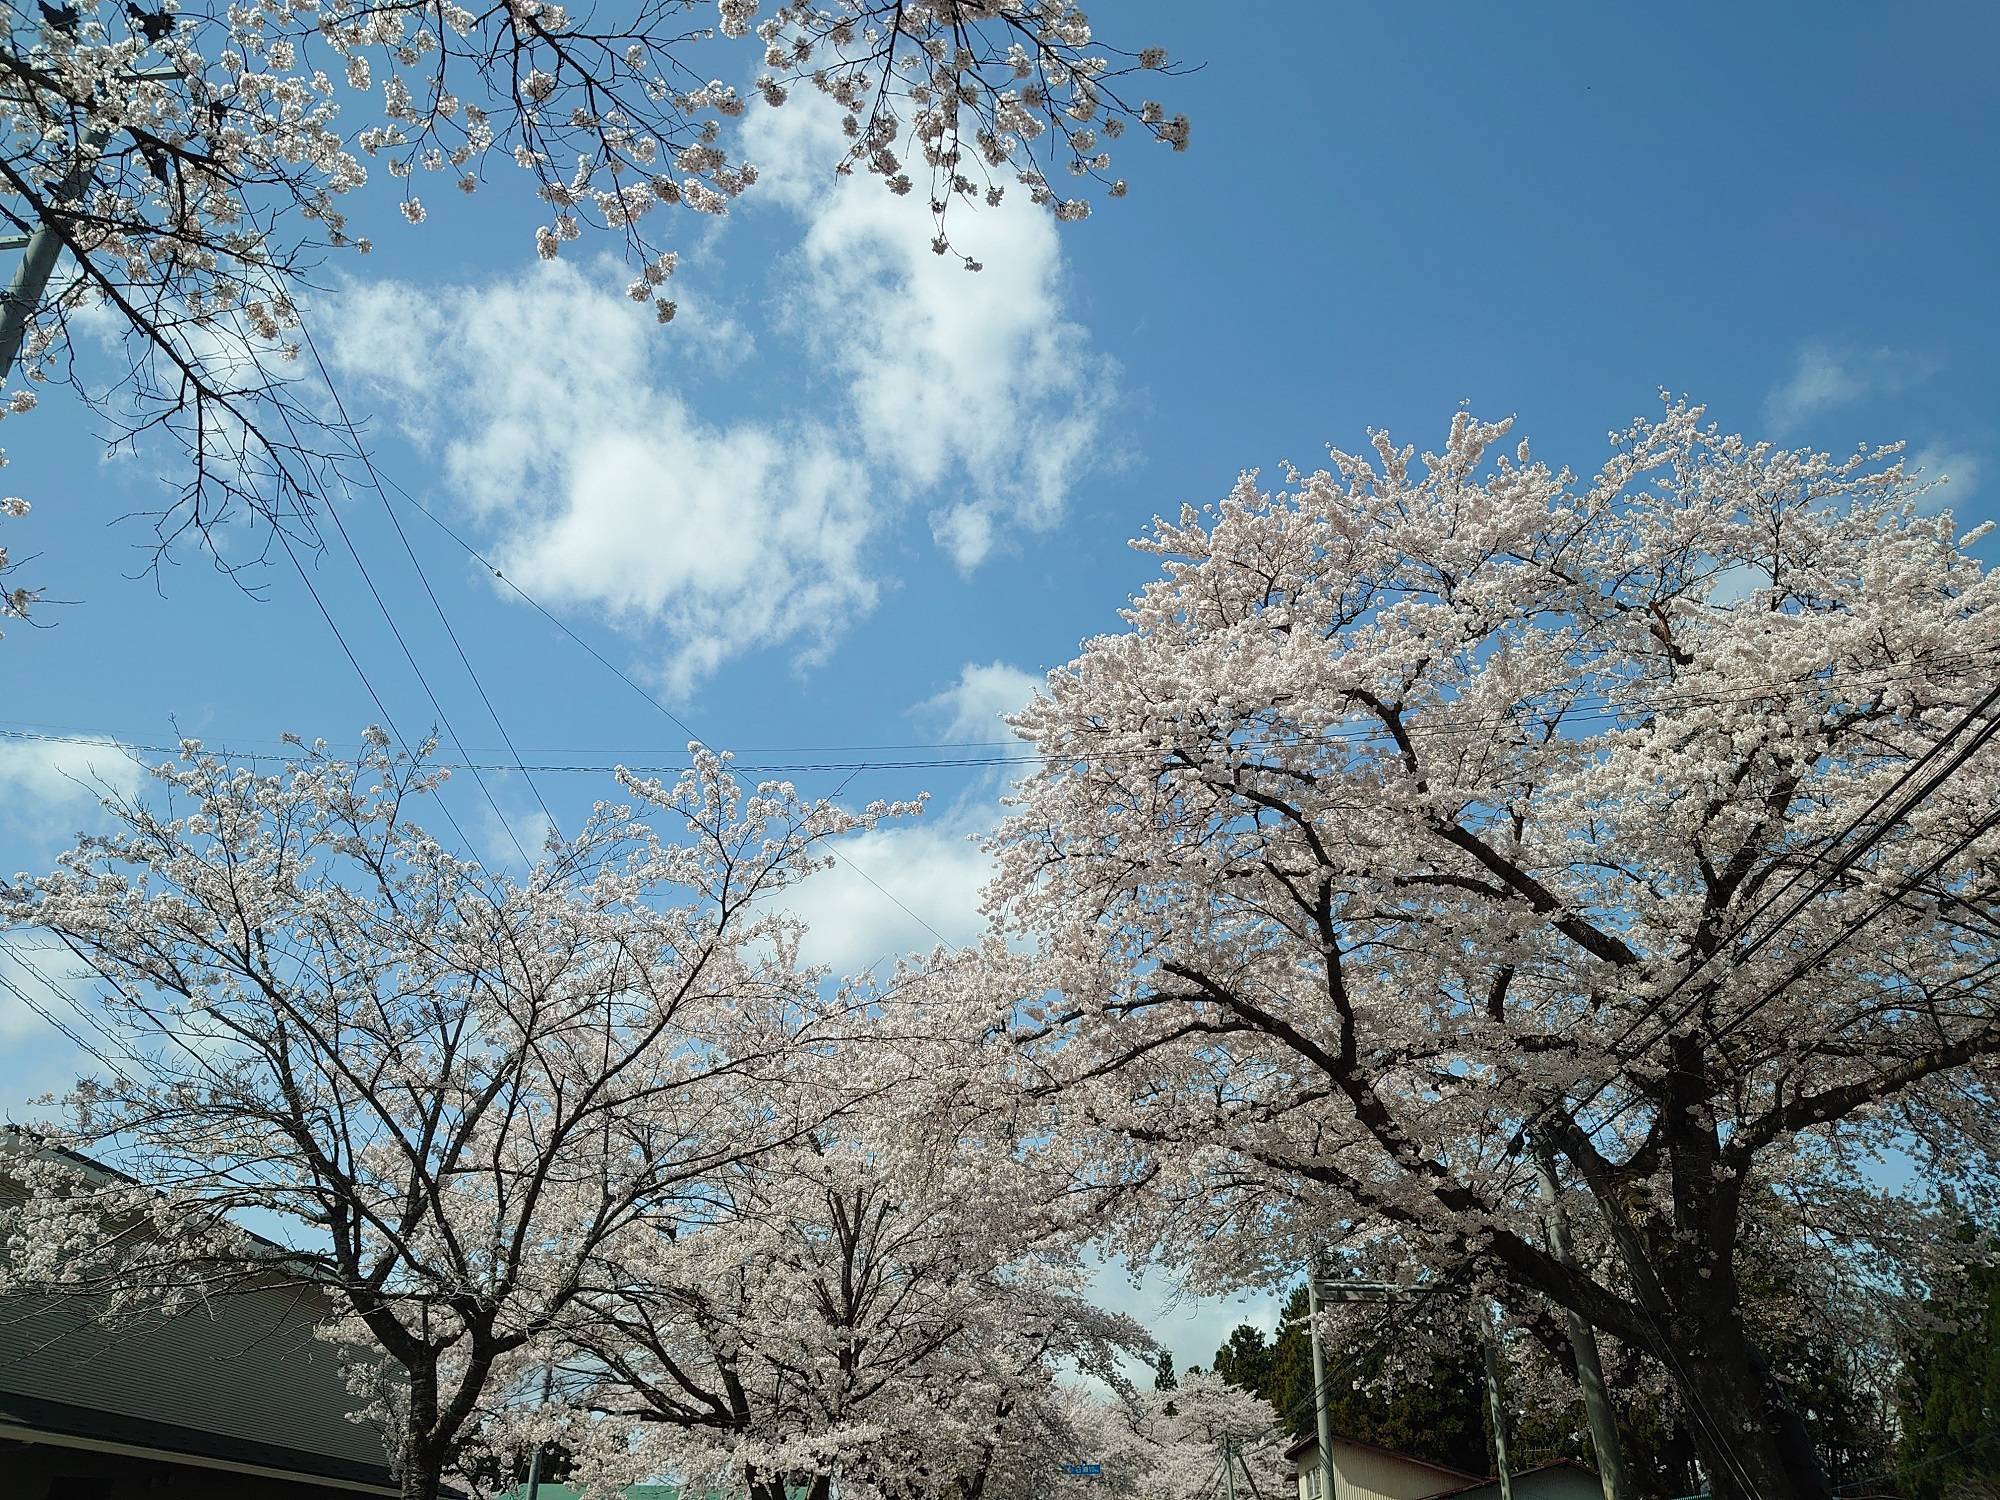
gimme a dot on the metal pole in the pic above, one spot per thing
(1483, 1325)
(1583, 1342)
(1228, 1474)
(31, 276)
(535, 1462)
(1322, 1418)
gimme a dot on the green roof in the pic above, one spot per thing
(240, 1376)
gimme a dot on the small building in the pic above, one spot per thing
(1565, 1479)
(236, 1399)
(1362, 1471)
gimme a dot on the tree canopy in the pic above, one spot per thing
(1423, 809)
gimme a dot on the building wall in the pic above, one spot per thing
(43, 1471)
(1370, 1474)
(240, 1376)
(232, 1398)
(1562, 1483)
(1364, 1473)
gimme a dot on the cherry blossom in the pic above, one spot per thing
(1426, 811)
(199, 161)
(895, 1312)
(453, 1090)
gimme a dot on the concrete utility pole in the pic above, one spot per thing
(535, 1460)
(1488, 1347)
(31, 276)
(1482, 1328)
(1322, 1418)
(1248, 1477)
(1228, 1474)
(1583, 1342)
(43, 244)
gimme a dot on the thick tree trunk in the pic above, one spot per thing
(1752, 1443)
(421, 1481)
(420, 1464)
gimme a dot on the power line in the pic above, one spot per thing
(1791, 913)
(409, 656)
(662, 708)
(1846, 861)
(1358, 735)
(536, 605)
(375, 480)
(1984, 826)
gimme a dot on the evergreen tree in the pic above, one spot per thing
(1441, 1416)
(1246, 1360)
(1948, 1404)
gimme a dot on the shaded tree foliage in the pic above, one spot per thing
(1948, 1401)
(1440, 1415)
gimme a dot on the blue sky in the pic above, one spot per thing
(856, 497)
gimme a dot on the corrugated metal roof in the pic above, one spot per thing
(239, 1373)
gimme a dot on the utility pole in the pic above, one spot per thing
(1228, 1474)
(43, 244)
(1482, 1328)
(1583, 1342)
(31, 276)
(1322, 1418)
(1482, 1324)
(535, 1460)
(1248, 1477)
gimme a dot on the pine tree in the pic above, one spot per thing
(1441, 1417)
(1949, 1401)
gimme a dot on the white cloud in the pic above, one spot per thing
(505, 839)
(965, 531)
(906, 886)
(1824, 377)
(899, 888)
(19, 984)
(602, 487)
(1958, 471)
(557, 407)
(48, 790)
(972, 706)
(36, 1058)
(974, 380)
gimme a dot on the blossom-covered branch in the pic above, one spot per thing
(1425, 808)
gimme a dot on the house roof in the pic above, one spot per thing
(1311, 1441)
(239, 1379)
(1560, 1463)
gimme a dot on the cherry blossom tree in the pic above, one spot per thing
(895, 1310)
(1172, 1444)
(198, 163)
(452, 1090)
(1429, 814)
